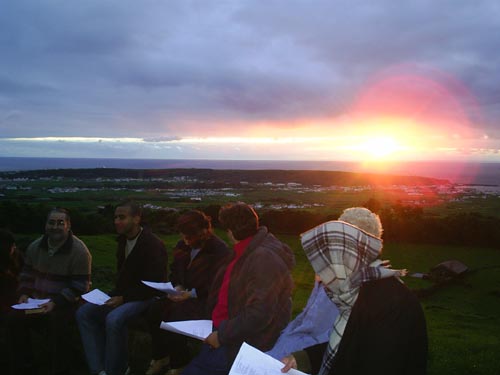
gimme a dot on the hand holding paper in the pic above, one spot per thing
(198, 329)
(251, 361)
(96, 296)
(31, 303)
(163, 287)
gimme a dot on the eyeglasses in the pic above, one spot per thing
(56, 223)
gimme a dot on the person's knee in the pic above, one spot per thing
(190, 369)
(82, 313)
(115, 322)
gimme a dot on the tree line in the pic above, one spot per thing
(401, 223)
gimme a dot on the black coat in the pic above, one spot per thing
(386, 333)
(147, 261)
(198, 274)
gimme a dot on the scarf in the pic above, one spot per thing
(345, 257)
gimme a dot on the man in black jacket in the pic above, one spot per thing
(140, 256)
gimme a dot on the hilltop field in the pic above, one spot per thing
(426, 221)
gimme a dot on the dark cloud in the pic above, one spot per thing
(145, 69)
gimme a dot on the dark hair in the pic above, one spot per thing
(6, 242)
(60, 210)
(193, 222)
(240, 219)
(134, 208)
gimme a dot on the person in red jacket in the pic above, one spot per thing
(250, 299)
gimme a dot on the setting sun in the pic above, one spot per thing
(374, 148)
(380, 147)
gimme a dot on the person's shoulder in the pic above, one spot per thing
(151, 242)
(34, 245)
(280, 249)
(216, 245)
(148, 235)
(79, 245)
(389, 289)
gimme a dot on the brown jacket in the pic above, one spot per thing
(259, 298)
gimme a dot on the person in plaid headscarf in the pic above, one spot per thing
(381, 326)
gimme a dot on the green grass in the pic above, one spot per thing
(485, 205)
(463, 318)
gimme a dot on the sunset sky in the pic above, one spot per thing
(298, 80)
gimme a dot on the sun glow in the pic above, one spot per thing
(380, 147)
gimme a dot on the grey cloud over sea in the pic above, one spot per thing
(155, 69)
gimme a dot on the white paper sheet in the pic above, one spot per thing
(251, 361)
(96, 296)
(198, 329)
(162, 287)
(32, 303)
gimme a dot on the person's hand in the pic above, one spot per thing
(47, 306)
(182, 296)
(289, 362)
(213, 340)
(114, 301)
(23, 299)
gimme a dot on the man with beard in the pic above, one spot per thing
(140, 256)
(56, 267)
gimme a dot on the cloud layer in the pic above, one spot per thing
(159, 70)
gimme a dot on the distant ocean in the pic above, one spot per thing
(474, 173)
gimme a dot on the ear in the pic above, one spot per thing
(205, 233)
(137, 220)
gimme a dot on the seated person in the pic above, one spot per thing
(56, 267)
(140, 255)
(309, 331)
(250, 299)
(8, 272)
(197, 258)
(381, 324)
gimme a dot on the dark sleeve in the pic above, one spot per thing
(120, 258)
(385, 332)
(213, 291)
(153, 267)
(27, 275)
(179, 264)
(8, 286)
(202, 273)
